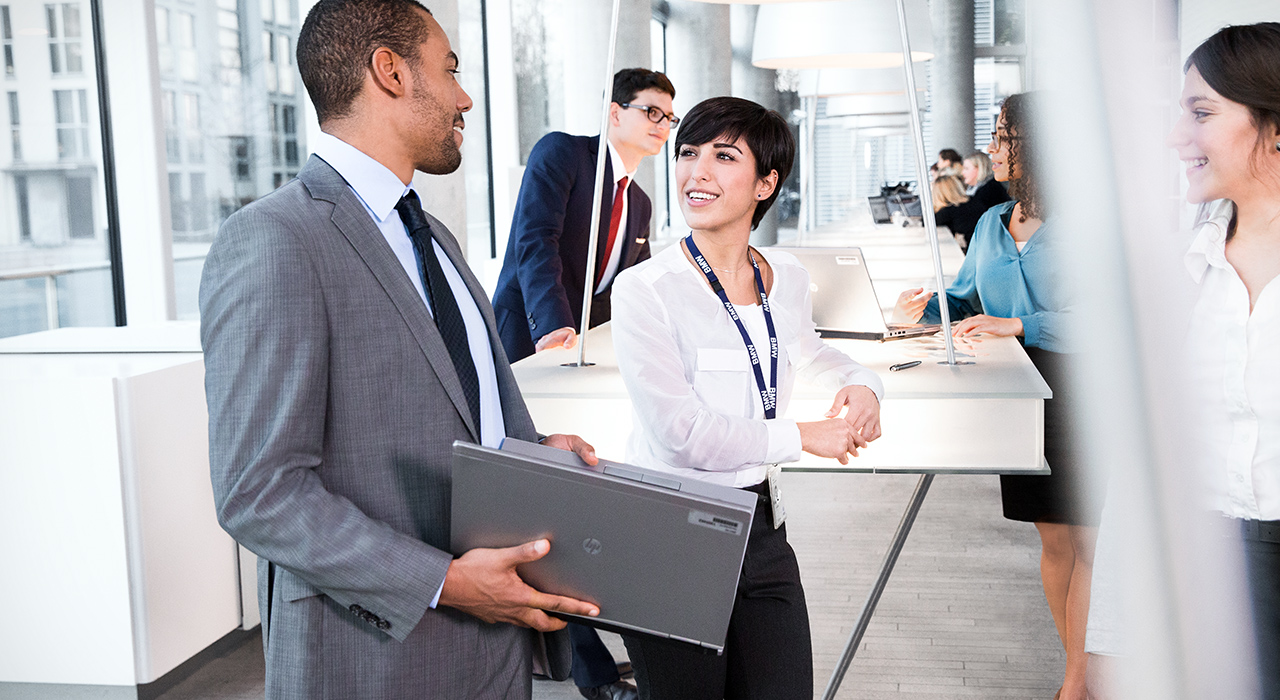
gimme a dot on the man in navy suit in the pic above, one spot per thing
(539, 295)
(538, 302)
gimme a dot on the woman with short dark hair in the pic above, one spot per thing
(710, 337)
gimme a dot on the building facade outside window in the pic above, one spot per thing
(54, 263)
(232, 106)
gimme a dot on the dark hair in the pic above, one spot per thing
(629, 82)
(337, 42)
(950, 155)
(767, 134)
(1242, 63)
(1020, 114)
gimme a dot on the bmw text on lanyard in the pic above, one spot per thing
(768, 394)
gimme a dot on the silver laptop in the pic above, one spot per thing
(844, 300)
(658, 554)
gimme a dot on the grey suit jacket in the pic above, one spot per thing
(333, 405)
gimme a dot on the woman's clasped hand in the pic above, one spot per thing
(839, 437)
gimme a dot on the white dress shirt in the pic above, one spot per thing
(615, 255)
(697, 411)
(378, 189)
(1234, 362)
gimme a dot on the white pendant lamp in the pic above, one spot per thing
(839, 34)
(833, 82)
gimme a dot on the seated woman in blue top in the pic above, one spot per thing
(1009, 285)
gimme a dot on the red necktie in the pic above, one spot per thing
(614, 220)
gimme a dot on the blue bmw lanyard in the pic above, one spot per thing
(769, 393)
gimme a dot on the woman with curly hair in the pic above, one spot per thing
(1011, 285)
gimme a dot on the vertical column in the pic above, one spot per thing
(951, 109)
(757, 85)
(699, 52)
(586, 48)
(699, 63)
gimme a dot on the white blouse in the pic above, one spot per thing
(697, 411)
(1234, 362)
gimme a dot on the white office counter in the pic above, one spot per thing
(113, 558)
(982, 418)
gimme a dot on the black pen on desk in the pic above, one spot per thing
(904, 365)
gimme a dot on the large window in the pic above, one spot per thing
(231, 104)
(54, 262)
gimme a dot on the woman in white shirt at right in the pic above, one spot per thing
(1228, 137)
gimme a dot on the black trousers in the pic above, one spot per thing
(768, 653)
(1263, 561)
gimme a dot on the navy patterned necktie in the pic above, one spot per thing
(444, 307)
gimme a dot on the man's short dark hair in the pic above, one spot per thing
(337, 42)
(629, 82)
(767, 135)
(950, 155)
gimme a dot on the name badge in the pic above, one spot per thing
(774, 474)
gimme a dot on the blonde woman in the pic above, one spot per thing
(948, 190)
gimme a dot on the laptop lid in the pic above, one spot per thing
(658, 554)
(844, 299)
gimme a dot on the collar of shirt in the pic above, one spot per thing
(377, 187)
(1210, 244)
(619, 168)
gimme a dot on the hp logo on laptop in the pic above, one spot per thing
(591, 545)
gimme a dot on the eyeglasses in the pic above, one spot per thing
(999, 139)
(655, 115)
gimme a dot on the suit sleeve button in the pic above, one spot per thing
(355, 609)
(384, 625)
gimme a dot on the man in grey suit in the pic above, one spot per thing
(347, 345)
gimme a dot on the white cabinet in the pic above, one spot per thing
(114, 566)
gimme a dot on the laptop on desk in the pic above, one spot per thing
(659, 555)
(844, 300)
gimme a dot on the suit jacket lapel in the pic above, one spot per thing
(353, 221)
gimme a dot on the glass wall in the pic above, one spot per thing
(54, 261)
(232, 102)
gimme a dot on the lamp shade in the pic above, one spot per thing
(868, 104)
(833, 82)
(839, 34)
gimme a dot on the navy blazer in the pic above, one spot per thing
(540, 286)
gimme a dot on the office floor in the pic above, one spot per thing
(963, 614)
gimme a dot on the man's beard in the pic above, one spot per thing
(445, 156)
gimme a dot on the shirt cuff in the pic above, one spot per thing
(1030, 330)
(784, 441)
(436, 600)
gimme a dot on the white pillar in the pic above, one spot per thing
(137, 123)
